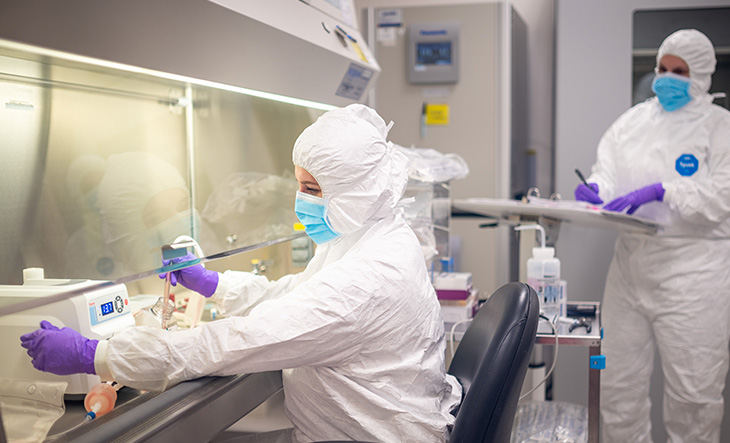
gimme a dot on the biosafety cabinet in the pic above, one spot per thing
(103, 164)
(124, 125)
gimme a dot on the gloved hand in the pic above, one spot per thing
(60, 351)
(586, 194)
(637, 198)
(195, 278)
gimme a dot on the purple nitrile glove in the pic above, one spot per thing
(588, 194)
(60, 351)
(195, 278)
(634, 199)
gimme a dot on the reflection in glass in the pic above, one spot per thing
(85, 252)
(104, 165)
(144, 203)
(248, 206)
(244, 177)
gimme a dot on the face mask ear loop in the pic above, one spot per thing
(326, 203)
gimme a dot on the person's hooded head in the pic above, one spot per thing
(694, 49)
(361, 176)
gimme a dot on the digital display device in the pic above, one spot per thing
(107, 308)
(433, 53)
(437, 53)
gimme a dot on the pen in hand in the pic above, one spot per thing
(580, 176)
(588, 193)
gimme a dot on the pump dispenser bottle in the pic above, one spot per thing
(543, 274)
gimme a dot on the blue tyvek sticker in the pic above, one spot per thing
(686, 165)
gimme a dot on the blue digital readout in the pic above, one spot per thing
(107, 308)
(433, 53)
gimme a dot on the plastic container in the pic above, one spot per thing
(100, 399)
(543, 274)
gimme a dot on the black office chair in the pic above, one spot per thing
(491, 363)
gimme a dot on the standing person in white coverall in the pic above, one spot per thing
(358, 334)
(668, 159)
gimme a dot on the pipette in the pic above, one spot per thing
(165, 300)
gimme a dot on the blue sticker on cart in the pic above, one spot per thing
(687, 165)
(598, 362)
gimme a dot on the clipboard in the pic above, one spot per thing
(565, 211)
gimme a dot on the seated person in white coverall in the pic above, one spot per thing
(668, 159)
(358, 334)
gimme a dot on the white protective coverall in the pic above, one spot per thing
(670, 291)
(358, 333)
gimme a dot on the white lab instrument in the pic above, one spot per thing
(96, 314)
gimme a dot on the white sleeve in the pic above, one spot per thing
(707, 199)
(239, 292)
(100, 362)
(314, 324)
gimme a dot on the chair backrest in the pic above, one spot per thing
(491, 363)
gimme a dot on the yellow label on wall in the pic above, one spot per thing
(437, 114)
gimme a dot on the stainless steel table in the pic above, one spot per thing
(592, 340)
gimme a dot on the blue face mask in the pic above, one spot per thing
(311, 212)
(672, 90)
